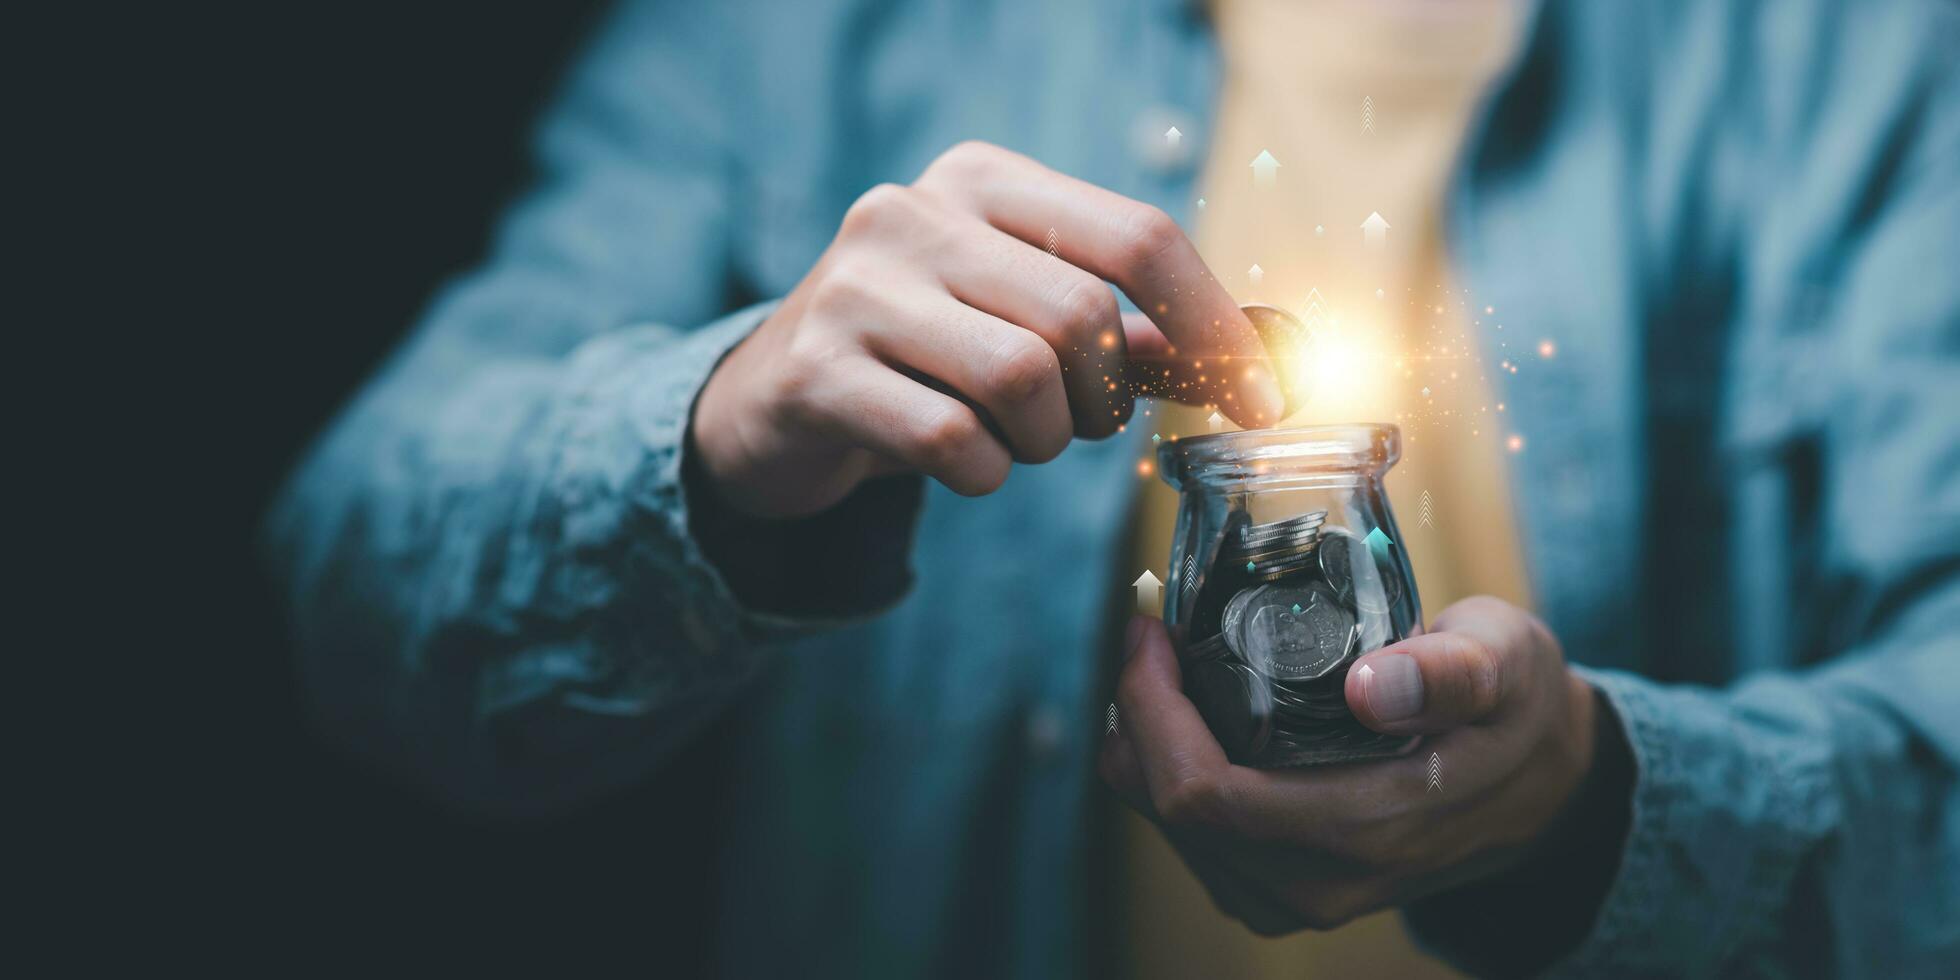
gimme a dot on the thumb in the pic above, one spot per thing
(1427, 684)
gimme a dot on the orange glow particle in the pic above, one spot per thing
(1546, 349)
(1515, 444)
(1108, 339)
(1144, 467)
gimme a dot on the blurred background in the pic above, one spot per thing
(371, 146)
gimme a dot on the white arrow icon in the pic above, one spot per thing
(1255, 273)
(1172, 136)
(1149, 592)
(1374, 231)
(1217, 421)
(1366, 672)
(1264, 168)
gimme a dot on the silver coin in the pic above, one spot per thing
(1294, 633)
(1280, 571)
(1234, 613)
(1380, 585)
(1290, 527)
(1281, 548)
(1280, 534)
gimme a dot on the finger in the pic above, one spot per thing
(1010, 372)
(1188, 776)
(868, 404)
(1427, 684)
(1130, 243)
(1122, 771)
(1074, 312)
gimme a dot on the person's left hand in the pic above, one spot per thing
(1288, 849)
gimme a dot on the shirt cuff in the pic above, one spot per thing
(1722, 816)
(752, 573)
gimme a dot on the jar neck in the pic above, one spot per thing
(1280, 459)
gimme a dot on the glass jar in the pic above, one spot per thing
(1286, 566)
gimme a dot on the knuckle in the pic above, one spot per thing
(955, 448)
(845, 285)
(945, 438)
(1147, 233)
(962, 158)
(1195, 801)
(1480, 672)
(875, 208)
(1022, 369)
(1088, 307)
(799, 376)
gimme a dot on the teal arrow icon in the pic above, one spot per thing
(1380, 545)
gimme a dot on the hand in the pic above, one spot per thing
(937, 334)
(1283, 850)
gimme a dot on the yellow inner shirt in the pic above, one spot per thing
(1364, 105)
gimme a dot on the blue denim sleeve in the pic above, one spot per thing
(489, 561)
(1808, 822)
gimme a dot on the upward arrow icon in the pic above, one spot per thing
(1149, 591)
(1264, 169)
(1172, 136)
(1374, 231)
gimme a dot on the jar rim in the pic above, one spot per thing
(1252, 454)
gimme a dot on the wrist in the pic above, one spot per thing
(1577, 751)
(1522, 920)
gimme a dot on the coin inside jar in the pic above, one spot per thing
(1380, 587)
(1292, 632)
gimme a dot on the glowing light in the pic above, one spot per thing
(1108, 339)
(1515, 444)
(1546, 349)
(1145, 467)
(1345, 370)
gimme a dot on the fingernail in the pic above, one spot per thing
(1394, 687)
(1133, 636)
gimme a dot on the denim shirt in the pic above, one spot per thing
(1739, 222)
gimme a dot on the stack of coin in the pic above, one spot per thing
(1280, 613)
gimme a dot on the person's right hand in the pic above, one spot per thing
(937, 334)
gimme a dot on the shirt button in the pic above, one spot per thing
(1161, 137)
(1044, 732)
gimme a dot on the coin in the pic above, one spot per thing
(1284, 337)
(1305, 525)
(1228, 622)
(1293, 632)
(1380, 587)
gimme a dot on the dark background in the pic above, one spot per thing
(359, 155)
